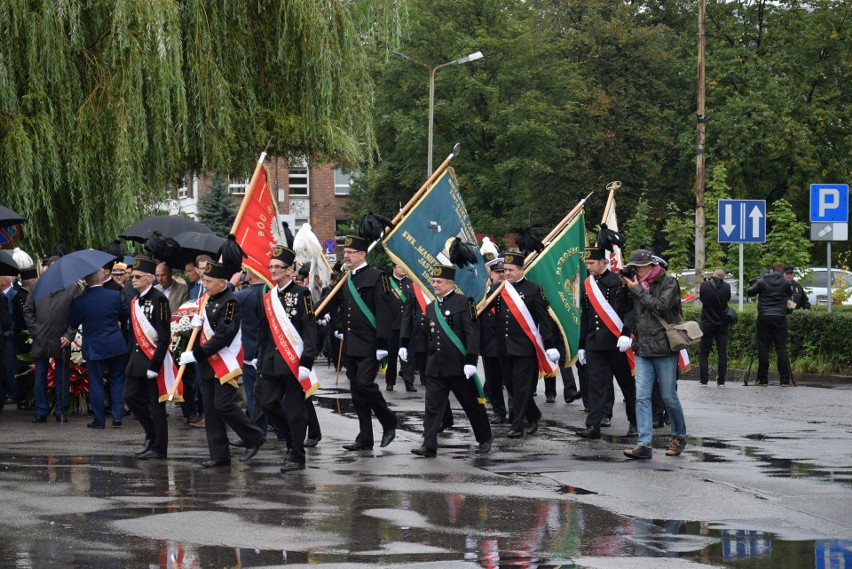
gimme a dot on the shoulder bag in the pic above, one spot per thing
(682, 334)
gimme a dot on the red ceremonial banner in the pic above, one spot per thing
(256, 230)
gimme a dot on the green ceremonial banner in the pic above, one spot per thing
(422, 239)
(560, 270)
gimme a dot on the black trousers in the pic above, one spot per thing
(221, 411)
(494, 385)
(287, 414)
(437, 401)
(314, 430)
(772, 331)
(141, 395)
(719, 335)
(569, 388)
(521, 375)
(367, 397)
(601, 366)
(407, 368)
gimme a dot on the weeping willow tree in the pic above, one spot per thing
(107, 104)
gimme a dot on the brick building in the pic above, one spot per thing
(305, 194)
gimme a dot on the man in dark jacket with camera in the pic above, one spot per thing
(715, 294)
(773, 291)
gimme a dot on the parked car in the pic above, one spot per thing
(814, 281)
(688, 293)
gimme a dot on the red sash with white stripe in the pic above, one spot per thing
(422, 301)
(522, 314)
(607, 314)
(287, 340)
(146, 338)
(227, 363)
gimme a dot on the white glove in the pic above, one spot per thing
(252, 363)
(326, 319)
(338, 335)
(151, 374)
(303, 373)
(469, 371)
(403, 354)
(186, 358)
(581, 356)
(552, 354)
(624, 343)
(381, 354)
(197, 321)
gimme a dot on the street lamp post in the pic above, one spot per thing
(432, 70)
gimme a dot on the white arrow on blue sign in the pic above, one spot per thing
(742, 221)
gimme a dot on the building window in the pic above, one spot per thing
(299, 222)
(238, 189)
(342, 181)
(183, 193)
(299, 178)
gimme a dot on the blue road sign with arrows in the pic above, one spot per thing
(742, 221)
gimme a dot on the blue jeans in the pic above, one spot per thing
(62, 389)
(663, 369)
(116, 387)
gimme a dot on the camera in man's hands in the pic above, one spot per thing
(628, 272)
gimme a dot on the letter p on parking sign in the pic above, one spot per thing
(830, 203)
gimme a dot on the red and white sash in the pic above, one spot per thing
(146, 337)
(227, 363)
(288, 341)
(606, 313)
(522, 314)
(422, 300)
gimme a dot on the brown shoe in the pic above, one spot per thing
(676, 447)
(639, 451)
(200, 424)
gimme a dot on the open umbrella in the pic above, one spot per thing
(8, 266)
(167, 225)
(69, 269)
(193, 244)
(9, 217)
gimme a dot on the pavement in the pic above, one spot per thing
(765, 481)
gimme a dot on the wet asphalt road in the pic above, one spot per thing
(766, 481)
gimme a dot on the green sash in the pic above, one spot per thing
(459, 346)
(360, 302)
(395, 286)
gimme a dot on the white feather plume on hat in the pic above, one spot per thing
(22, 258)
(488, 246)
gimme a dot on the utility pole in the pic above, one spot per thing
(700, 184)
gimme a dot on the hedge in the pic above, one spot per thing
(818, 342)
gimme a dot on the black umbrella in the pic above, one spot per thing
(9, 217)
(167, 225)
(69, 269)
(8, 266)
(193, 244)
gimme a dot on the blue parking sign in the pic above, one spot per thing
(830, 203)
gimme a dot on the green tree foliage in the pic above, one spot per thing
(638, 229)
(216, 209)
(106, 105)
(787, 238)
(717, 189)
(679, 229)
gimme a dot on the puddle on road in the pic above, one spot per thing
(93, 512)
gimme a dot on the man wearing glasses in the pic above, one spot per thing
(362, 320)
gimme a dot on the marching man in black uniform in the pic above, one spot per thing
(362, 320)
(489, 348)
(221, 357)
(401, 287)
(603, 347)
(452, 352)
(287, 346)
(150, 336)
(525, 335)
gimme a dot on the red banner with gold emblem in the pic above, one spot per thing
(257, 228)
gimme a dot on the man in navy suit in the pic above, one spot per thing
(102, 314)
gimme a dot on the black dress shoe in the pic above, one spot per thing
(152, 455)
(589, 433)
(238, 443)
(550, 399)
(606, 422)
(358, 446)
(445, 426)
(146, 446)
(250, 452)
(425, 452)
(409, 387)
(116, 423)
(571, 397)
(658, 424)
(291, 465)
(631, 431)
(311, 442)
(497, 420)
(389, 388)
(532, 428)
(216, 462)
(514, 434)
(484, 447)
(388, 436)
(94, 425)
(40, 419)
